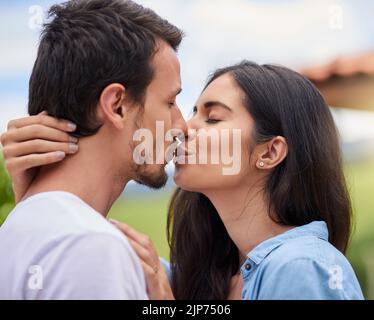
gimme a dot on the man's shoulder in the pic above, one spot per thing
(98, 260)
(74, 246)
(55, 222)
(59, 213)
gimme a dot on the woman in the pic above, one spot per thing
(279, 228)
(284, 220)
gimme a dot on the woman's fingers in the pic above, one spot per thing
(152, 281)
(150, 274)
(141, 243)
(21, 164)
(36, 131)
(32, 142)
(146, 256)
(36, 141)
(45, 120)
(38, 146)
(142, 239)
(158, 286)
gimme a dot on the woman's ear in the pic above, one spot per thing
(273, 153)
(112, 105)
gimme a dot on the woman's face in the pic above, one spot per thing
(222, 121)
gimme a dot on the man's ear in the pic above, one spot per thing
(272, 153)
(112, 105)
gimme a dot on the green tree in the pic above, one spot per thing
(6, 193)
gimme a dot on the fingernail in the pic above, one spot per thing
(115, 222)
(60, 155)
(73, 148)
(73, 139)
(71, 126)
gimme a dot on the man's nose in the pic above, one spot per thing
(178, 123)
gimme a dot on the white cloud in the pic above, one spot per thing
(18, 43)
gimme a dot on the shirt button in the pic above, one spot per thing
(248, 267)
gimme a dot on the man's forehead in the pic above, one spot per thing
(167, 77)
(166, 60)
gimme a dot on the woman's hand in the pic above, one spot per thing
(158, 286)
(236, 288)
(32, 142)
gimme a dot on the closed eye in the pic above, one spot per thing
(212, 121)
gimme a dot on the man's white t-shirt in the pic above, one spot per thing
(55, 246)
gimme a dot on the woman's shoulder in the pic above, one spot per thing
(308, 268)
(307, 249)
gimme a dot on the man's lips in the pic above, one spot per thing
(180, 154)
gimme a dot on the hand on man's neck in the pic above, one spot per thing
(92, 174)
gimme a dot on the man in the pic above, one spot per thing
(110, 68)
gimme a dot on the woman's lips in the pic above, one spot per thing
(183, 155)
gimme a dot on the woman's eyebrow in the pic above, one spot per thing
(211, 104)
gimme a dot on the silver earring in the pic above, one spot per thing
(262, 164)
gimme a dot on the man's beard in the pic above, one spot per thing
(154, 180)
(144, 173)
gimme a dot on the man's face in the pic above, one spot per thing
(160, 108)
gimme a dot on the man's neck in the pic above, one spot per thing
(91, 175)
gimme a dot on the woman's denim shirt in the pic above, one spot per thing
(298, 264)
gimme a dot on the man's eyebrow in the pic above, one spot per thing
(211, 104)
(177, 92)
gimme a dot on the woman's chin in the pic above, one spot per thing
(182, 179)
(178, 174)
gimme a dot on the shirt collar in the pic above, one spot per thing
(315, 228)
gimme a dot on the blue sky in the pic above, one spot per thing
(295, 33)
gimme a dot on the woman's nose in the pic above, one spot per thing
(193, 124)
(193, 127)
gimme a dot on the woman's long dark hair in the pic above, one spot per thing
(307, 186)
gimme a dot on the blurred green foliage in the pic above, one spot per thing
(360, 179)
(6, 193)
